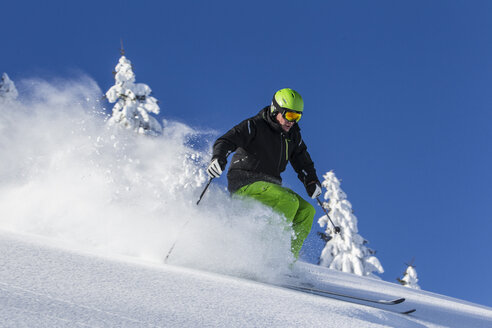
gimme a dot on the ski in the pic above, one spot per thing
(326, 293)
(322, 291)
(409, 311)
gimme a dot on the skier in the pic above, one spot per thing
(263, 145)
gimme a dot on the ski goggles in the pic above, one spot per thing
(291, 116)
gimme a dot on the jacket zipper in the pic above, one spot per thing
(282, 139)
(281, 151)
(287, 150)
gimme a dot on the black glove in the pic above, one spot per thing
(313, 189)
(216, 167)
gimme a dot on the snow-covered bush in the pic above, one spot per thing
(133, 101)
(8, 91)
(345, 251)
(410, 278)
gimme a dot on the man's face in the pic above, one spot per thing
(286, 125)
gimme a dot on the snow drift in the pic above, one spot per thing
(67, 175)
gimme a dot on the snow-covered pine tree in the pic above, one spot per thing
(133, 101)
(8, 91)
(345, 251)
(410, 278)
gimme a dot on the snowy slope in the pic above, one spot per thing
(47, 285)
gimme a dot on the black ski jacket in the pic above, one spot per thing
(262, 151)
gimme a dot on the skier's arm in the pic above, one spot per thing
(303, 165)
(239, 136)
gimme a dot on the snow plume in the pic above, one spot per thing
(68, 176)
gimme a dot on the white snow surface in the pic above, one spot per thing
(48, 285)
(88, 213)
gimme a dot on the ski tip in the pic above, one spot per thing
(409, 311)
(392, 302)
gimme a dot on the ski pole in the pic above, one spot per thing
(337, 229)
(204, 190)
(187, 221)
(174, 244)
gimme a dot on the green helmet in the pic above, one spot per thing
(288, 99)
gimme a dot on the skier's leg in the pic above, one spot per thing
(296, 210)
(282, 200)
(301, 224)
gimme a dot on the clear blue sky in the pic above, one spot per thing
(397, 98)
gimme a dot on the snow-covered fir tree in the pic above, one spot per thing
(8, 91)
(133, 101)
(345, 251)
(410, 278)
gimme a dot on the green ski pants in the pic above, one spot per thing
(296, 210)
